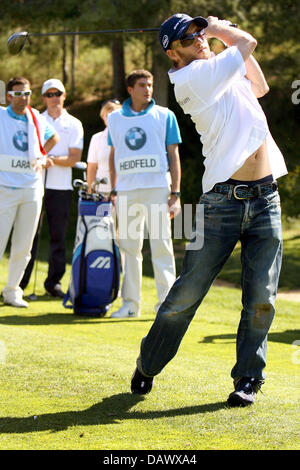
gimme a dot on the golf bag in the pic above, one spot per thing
(95, 274)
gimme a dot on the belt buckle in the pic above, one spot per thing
(239, 186)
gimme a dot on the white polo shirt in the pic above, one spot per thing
(227, 115)
(70, 133)
(99, 153)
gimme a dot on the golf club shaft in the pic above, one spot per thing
(37, 251)
(39, 234)
(16, 41)
(104, 31)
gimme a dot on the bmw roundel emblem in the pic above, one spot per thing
(20, 141)
(135, 138)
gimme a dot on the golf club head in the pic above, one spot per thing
(82, 194)
(32, 297)
(96, 182)
(103, 181)
(16, 42)
(77, 183)
(80, 184)
(100, 181)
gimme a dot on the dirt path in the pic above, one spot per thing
(293, 295)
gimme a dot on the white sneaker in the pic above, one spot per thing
(124, 312)
(14, 299)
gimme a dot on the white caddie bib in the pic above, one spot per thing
(140, 149)
(15, 164)
(140, 164)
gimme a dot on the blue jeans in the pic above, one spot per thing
(256, 222)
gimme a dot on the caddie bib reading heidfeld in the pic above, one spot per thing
(140, 149)
(142, 164)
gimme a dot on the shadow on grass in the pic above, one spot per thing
(286, 337)
(62, 319)
(41, 298)
(110, 410)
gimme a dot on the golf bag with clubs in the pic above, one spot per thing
(95, 274)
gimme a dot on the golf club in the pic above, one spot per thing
(77, 183)
(17, 41)
(96, 182)
(33, 297)
(80, 166)
(82, 187)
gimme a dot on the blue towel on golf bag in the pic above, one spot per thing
(95, 275)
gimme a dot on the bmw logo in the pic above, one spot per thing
(20, 141)
(135, 138)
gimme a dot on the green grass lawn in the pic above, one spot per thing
(65, 380)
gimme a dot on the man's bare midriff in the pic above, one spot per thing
(256, 166)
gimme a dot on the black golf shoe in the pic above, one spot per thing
(56, 291)
(245, 390)
(140, 384)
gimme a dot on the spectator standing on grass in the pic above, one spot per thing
(98, 153)
(58, 181)
(240, 197)
(145, 175)
(21, 188)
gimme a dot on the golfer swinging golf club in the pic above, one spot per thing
(240, 197)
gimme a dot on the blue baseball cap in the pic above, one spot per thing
(175, 27)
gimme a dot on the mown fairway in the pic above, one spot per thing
(65, 380)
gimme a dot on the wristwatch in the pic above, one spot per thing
(113, 192)
(176, 193)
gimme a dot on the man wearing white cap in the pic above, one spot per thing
(58, 181)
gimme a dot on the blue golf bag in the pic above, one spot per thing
(95, 275)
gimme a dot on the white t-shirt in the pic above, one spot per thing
(227, 115)
(70, 133)
(99, 153)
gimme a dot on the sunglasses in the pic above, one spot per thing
(19, 93)
(53, 93)
(188, 40)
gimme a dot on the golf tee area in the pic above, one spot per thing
(65, 379)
